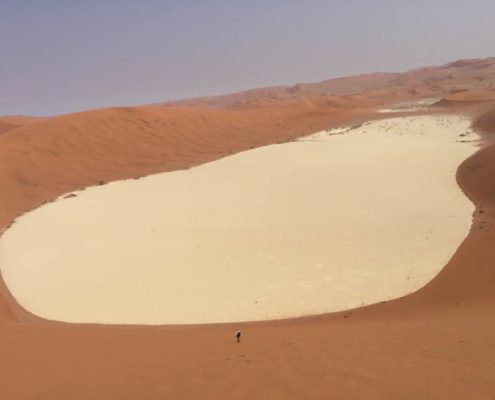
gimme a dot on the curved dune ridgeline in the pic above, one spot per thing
(437, 343)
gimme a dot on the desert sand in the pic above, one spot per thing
(412, 106)
(436, 343)
(288, 230)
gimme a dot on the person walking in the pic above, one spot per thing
(238, 335)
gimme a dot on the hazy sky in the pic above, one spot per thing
(60, 56)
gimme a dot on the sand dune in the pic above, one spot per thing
(5, 127)
(21, 120)
(473, 75)
(436, 343)
(485, 122)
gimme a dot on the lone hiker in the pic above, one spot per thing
(237, 335)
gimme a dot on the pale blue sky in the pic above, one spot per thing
(60, 56)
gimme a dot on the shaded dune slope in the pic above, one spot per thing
(485, 122)
(5, 127)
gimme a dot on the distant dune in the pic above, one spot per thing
(485, 122)
(476, 74)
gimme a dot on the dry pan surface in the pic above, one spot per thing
(330, 222)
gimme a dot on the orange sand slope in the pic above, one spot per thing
(437, 343)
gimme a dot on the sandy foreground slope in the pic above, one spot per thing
(437, 343)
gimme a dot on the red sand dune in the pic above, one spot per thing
(430, 81)
(5, 127)
(7, 123)
(436, 343)
(485, 122)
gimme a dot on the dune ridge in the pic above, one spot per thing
(475, 77)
